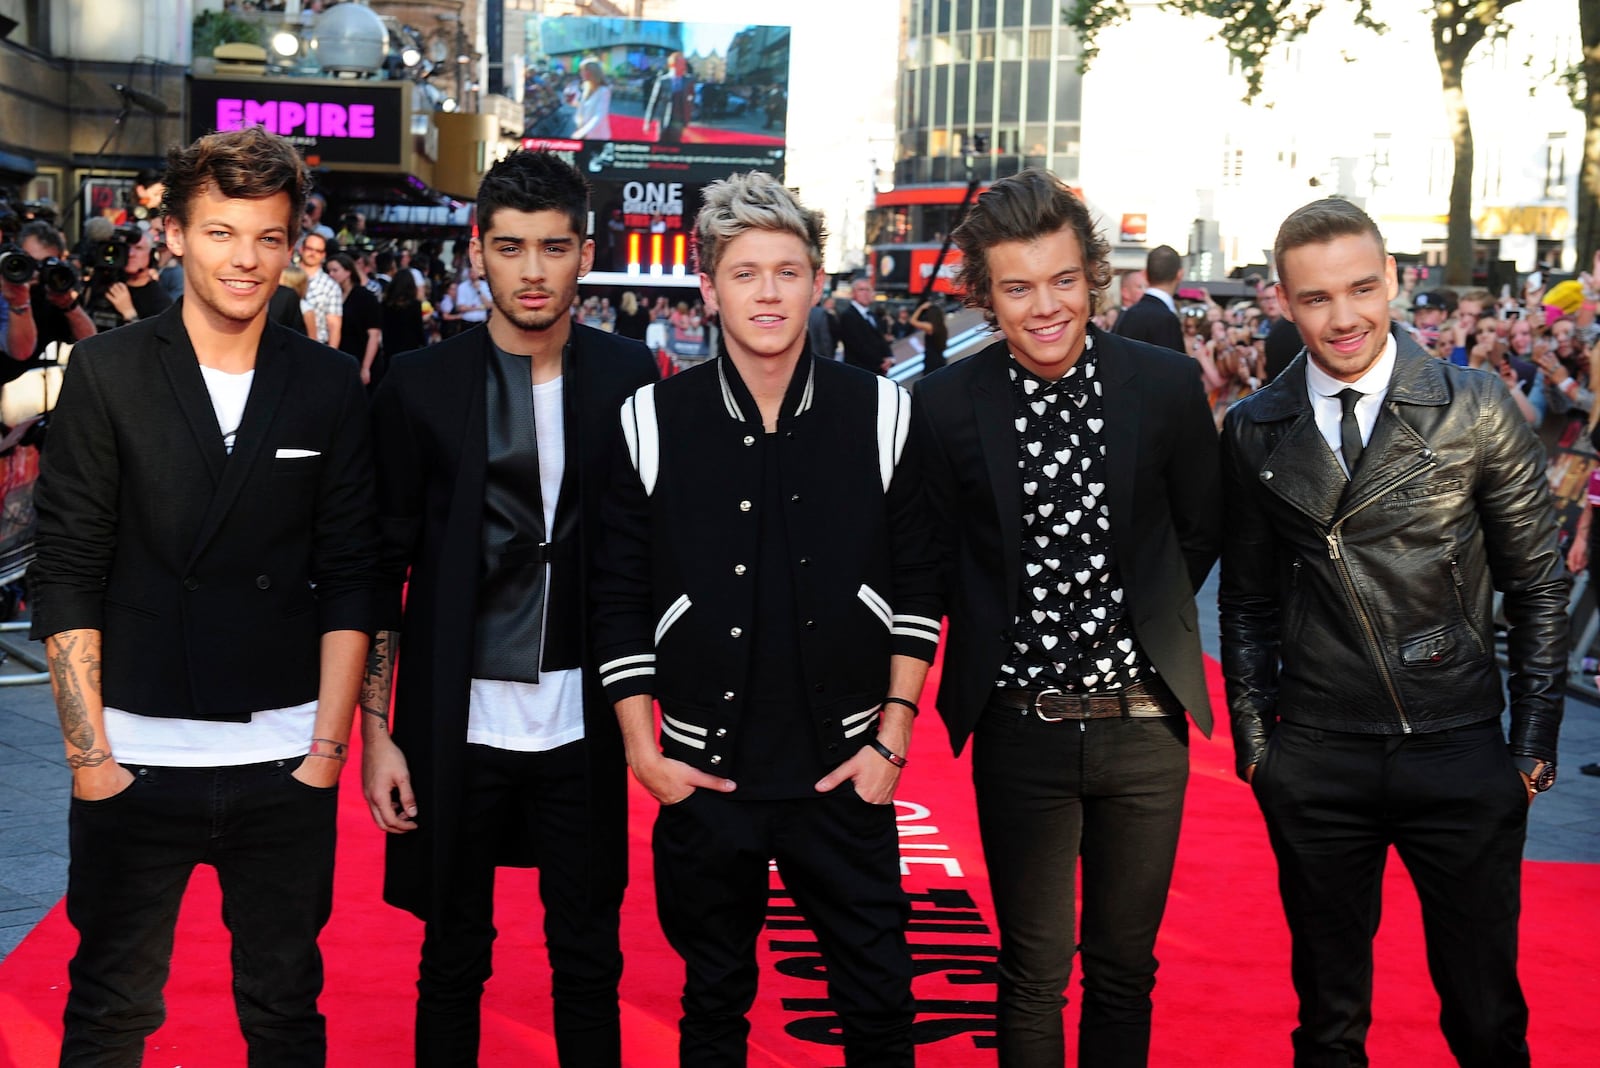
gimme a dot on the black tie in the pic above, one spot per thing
(1350, 430)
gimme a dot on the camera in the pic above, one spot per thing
(18, 268)
(108, 259)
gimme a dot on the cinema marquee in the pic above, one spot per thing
(349, 125)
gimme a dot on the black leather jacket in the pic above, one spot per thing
(1367, 606)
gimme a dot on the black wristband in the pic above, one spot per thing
(915, 711)
(888, 754)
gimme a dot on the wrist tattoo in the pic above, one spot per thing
(376, 683)
(92, 759)
(327, 747)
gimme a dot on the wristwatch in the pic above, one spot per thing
(1541, 773)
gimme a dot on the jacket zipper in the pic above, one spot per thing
(1461, 603)
(1368, 631)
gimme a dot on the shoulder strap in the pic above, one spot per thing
(894, 423)
(643, 435)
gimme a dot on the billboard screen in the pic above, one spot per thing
(329, 122)
(660, 83)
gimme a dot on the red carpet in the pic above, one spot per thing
(1223, 995)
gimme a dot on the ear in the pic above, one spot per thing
(1390, 279)
(708, 293)
(475, 254)
(1286, 308)
(174, 235)
(586, 258)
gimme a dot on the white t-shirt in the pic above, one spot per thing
(532, 717)
(273, 734)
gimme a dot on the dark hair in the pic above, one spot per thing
(534, 181)
(385, 262)
(1024, 207)
(401, 292)
(1320, 222)
(345, 260)
(44, 233)
(247, 164)
(1162, 265)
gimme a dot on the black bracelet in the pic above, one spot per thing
(888, 754)
(915, 711)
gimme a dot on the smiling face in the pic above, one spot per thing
(313, 253)
(233, 251)
(1039, 294)
(763, 290)
(1337, 292)
(533, 261)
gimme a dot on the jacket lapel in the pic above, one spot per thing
(182, 369)
(1121, 407)
(464, 532)
(1299, 468)
(266, 393)
(994, 412)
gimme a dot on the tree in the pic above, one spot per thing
(1252, 28)
(1587, 98)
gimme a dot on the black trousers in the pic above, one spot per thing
(1107, 793)
(1453, 805)
(543, 796)
(839, 858)
(271, 840)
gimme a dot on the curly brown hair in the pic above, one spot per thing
(247, 164)
(1023, 207)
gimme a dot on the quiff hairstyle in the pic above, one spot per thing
(1320, 222)
(754, 200)
(1026, 207)
(247, 164)
(532, 182)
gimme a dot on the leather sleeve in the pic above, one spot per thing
(1522, 542)
(1248, 600)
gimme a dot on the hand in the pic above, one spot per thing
(386, 784)
(1578, 556)
(670, 781)
(1508, 374)
(320, 772)
(14, 294)
(1460, 333)
(874, 777)
(1527, 784)
(64, 301)
(98, 783)
(121, 299)
(366, 376)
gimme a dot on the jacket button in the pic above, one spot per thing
(736, 631)
(739, 569)
(827, 723)
(1266, 476)
(832, 747)
(722, 732)
(794, 498)
(728, 696)
(263, 582)
(748, 440)
(191, 584)
(805, 561)
(716, 758)
(811, 624)
(744, 506)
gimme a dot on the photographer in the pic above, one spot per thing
(52, 312)
(118, 297)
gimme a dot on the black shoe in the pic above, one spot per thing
(1590, 769)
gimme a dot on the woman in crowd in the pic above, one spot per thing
(285, 305)
(929, 318)
(402, 320)
(594, 103)
(362, 336)
(632, 320)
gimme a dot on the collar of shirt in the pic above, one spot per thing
(1073, 382)
(865, 313)
(1323, 391)
(1164, 297)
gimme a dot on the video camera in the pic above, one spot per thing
(18, 268)
(106, 260)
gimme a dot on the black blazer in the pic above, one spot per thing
(1166, 515)
(1150, 320)
(431, 433)
(864, 344)
(210, 575)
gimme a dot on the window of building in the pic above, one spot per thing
(1010, 44)
(986, 14)
(1043, 12)
(983, 45)
(1038, 109)
(938, 142)
(1066, 142)
(942, 19)
(1010, 91)
(1011, 13)
(963, 14)
(939, 49)
(939, 112)
(983, 93)
(960, 90)
(1039, 44)
(963, 47)
(1069, 94)
(1555, 166)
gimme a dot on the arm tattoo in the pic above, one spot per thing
(70, 705)
(377, 684)
(92, 759)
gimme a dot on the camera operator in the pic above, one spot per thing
(52, 313)
(118, 296)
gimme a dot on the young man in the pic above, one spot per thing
(203, 586)
(324, 301)
(1376, 500)
(765, 576)
(1073, 475)
(1154, 317)
(492, 449)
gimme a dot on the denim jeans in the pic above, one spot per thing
(270, 839)
(1108, 793)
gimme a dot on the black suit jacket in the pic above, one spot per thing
(864, 344)
(210, 575)
(430, 428)
(1162, 470)
(1151, 321)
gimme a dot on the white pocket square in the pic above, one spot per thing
(296, 454)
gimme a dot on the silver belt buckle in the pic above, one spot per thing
(1040, 696)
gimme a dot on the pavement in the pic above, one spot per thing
(35, 786)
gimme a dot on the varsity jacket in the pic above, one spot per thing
(674, 593)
